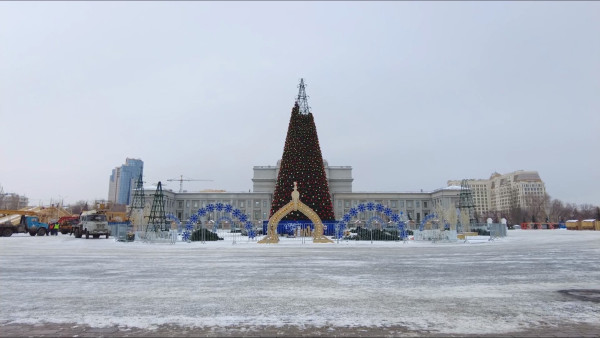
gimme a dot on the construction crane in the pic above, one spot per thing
(181, 179)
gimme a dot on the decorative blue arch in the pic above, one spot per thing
(228, 209)
(362, 208)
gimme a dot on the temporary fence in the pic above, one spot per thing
(435, 235)
(166, 237)
(120, 230)
(302, 231)
(497, 230)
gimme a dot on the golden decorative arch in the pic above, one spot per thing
(294, 205)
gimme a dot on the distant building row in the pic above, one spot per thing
(498, 193)
(257, 204)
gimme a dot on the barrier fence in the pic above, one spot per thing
(302, 231)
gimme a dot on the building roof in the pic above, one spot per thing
(528, 176)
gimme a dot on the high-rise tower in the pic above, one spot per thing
(122, 181)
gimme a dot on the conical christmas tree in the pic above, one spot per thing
(302, 162)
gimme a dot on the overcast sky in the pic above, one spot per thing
(410, 94)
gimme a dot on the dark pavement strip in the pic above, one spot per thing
(74, 330)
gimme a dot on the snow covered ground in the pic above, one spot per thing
(505, 285)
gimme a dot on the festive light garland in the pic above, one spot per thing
(361, 208)
(209, 208)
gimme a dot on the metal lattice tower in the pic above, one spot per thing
(157, 221)
(302, 99)
(137, 204)
(466, 203)
(138, 201)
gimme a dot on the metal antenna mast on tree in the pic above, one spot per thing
(302, 98)
(466, 203)
(157, 221)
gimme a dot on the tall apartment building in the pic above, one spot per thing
(122, 180)
(499, 192)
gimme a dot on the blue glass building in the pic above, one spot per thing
(122, 181)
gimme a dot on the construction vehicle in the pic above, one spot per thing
(66, 224)
(115, 216)
(93, 223)
(30, 224)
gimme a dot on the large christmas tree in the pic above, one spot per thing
(302, 162)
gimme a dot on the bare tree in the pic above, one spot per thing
(494, 215)
(80, 207)
(536, 207)
(553, 209)
(587, 211)
(556, 211)
(571, 211)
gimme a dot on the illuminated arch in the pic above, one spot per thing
(227, 209)
(272, 237)
(363, 208)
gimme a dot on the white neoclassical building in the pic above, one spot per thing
(257, 204)
(497, 193)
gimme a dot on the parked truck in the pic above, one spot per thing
(27, 224)
(92, 223)
(66, 224)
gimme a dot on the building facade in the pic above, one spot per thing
(13, 201)
(257, 204)
(122, 180)
(502, 192)
(339, 179)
